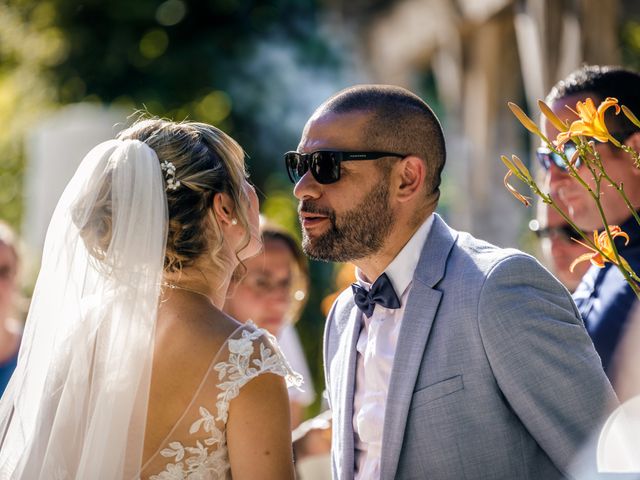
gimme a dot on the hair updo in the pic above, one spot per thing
(207, 161)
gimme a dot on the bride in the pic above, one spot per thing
(128, 367)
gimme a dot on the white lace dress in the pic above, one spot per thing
(196, 448)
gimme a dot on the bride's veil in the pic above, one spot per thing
(76, 404)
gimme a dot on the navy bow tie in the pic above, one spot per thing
(381, 292)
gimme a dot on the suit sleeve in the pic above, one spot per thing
(542, 357)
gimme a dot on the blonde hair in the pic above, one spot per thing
(207, 161)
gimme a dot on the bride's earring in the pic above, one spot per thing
(234, 221)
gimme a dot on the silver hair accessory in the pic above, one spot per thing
(169, 170)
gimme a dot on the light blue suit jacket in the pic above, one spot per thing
(494, 375)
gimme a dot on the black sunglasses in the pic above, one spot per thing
(325, 164)
(548, 157)
(563, 232)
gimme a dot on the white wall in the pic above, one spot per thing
(54, 150)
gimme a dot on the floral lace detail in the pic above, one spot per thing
(209, 460)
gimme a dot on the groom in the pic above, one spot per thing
(449, 357)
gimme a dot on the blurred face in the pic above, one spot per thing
(264, 293)
(619, 166)
(8, 270)
(351, 218)
(561, 251)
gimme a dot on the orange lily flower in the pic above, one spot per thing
(604, 244)
(591, 122)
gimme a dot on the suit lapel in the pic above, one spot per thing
(420, 312)
(352, 319)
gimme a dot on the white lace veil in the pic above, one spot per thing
(76, 404)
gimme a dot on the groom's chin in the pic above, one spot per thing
(318, 248)
(310, 248)
(324, 249)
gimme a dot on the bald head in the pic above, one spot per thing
(397, 121)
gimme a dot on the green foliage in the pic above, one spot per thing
(255, 68)
(630, 43)
(212, 61)
(231, 63)
(29, 44)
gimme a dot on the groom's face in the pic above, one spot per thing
(351, 218)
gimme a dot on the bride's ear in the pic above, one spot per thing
(224, 209)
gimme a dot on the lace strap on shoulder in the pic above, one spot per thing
(252, 352)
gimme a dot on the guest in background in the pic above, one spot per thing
(271, 290)
(604, 298)
(10, 327)
(558, 249)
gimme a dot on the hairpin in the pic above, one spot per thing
(169, 170)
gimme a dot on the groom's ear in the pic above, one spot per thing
(223, 208)
(409, 177)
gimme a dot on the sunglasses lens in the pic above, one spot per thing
(325, 167)
(548, 157)
(542, 154)
(569, 149)
(563, 233)
(296, 165)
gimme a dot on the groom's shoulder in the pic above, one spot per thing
(462, 249)
(483, 256)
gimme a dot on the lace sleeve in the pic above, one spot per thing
(252, 352)
(196, 447)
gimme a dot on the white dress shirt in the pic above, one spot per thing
(376, 350)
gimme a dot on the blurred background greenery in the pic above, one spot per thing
(232, 63)
(257, 69)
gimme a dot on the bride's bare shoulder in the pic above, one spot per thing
(201, 331)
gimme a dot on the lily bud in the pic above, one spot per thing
(629, 114)
(552, 117)
(524, 119)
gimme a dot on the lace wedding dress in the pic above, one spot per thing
(196, 448)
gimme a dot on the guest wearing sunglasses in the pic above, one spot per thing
(448, 357)
(557, 244)
(604, 298)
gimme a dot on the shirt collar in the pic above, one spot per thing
(400, 270)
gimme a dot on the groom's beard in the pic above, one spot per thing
(356, 233)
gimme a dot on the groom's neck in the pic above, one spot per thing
(373, 266)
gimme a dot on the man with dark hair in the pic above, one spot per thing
(604, 298)
(449, 357)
